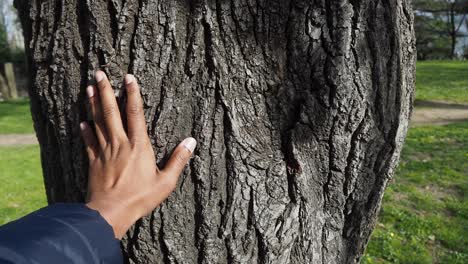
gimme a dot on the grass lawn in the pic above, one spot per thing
(22, 189)
(442, 80)
(424, 217)
(15, 117)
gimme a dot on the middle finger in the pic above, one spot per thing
(109, 108)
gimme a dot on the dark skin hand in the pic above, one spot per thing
(124, 182)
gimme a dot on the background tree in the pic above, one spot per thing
(4, 46)
(10, 52)
(431, 41)
(438, 21)
(5, 54)
(300, 109)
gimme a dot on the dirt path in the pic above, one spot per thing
(18, 139)
(424, 113)
(438, 113)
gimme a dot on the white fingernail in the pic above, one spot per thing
(90, 91)
(83, 125)
(190, 144)
(129, 78)
(100, 76)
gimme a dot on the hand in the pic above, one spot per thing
(124, 182)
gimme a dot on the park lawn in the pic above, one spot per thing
(442, 81)
(22, 189)
(15, 117)
(424, 217)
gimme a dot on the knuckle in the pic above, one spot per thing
(181, 159)
(134, 109)
(108, 110)
(115, 143)
(141, 141)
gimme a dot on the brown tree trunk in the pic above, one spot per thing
(300, 109)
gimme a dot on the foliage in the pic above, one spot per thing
(438, 26)
(425, 212)
(22, 186)
(429, 43)
(17, 56)
(442, 80)
(15, 117)
(8, 54)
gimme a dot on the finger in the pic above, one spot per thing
(136, 125)
(94, 103)
(90, 141)
(178, 160)
(109, 108)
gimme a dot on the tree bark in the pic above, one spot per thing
(300, 109)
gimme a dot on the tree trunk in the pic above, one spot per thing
(11, 80)
(452, 31)
(300, 109)
(4, 88)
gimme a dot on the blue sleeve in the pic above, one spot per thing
(60, 233)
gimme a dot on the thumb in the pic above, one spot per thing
(179, 159)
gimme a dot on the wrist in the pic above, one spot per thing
(116, 215)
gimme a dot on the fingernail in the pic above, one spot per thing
(129, 78)
(190, 144)
(100, 76)
(90, 91)
(83, 125)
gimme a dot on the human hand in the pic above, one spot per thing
(124, 182)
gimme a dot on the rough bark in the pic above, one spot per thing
(300, 109)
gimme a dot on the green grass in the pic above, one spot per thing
(442, 81)
(15, 117)
(424, 217)
(22, 189)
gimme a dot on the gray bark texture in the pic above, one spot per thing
(300, 108)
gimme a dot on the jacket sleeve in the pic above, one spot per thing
(60, 233)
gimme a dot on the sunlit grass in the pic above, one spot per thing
(424, 217)
(15, 117)
(442, 81)
(21, 189)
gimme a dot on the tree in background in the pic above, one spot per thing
(5, 55)
(431, 42)
(5, 51)
(10, 51)
(300, 109)
(438, 22)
